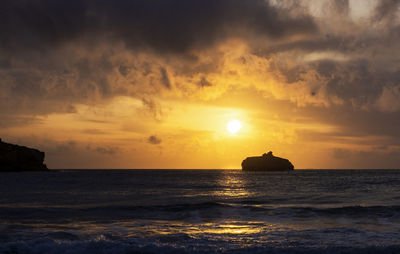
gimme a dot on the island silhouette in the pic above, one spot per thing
(266, 162)
(15, 158)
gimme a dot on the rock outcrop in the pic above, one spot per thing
(266, 162)
(14, 158)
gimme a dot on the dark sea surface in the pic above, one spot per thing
(200, 211)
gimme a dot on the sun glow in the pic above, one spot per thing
(234, 126)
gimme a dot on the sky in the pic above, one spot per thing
(154, 83)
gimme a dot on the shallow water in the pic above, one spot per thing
(200, 211)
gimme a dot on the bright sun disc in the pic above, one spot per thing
(234, 126)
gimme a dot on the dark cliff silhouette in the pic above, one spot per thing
(14, 158)
(266, 162)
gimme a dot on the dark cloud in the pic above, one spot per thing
(178, 25)
(41, 24)
(5, 64)
(204, 82)
(56, 54)
(164, 78)
(352, 81)
(154, 140)
(107, 150)
(386, 10)
(328, 42)
(124, 70)
(163, 25)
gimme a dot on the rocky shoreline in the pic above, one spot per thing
(15, 158)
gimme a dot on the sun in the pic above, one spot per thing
(234, 126)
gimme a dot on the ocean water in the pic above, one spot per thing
(200, 211)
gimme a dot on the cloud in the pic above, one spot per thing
(58, 55)
(386, 11)
(341, 6)
(367, 159)
(154, 140)
(153, 108)
(162, 25)
(204, 82)
(164, 78)
(107, 150)
(389, 100)
(41, 24)
(12, 121)
(325, 64)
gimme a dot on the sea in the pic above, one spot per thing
(200, 211)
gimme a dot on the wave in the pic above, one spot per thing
(206, 210)
(51, 246)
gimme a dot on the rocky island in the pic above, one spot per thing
(15, 158)
(266, 162)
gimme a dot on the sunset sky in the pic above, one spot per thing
(154, 83)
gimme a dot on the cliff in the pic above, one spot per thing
(14, 158)
(266, 162)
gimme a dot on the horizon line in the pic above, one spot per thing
(299, 169)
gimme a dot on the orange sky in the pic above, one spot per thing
(317, 83)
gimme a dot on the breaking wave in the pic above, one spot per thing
(100, 246)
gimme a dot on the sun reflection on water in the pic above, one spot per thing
(231, 185)
(232, 228)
